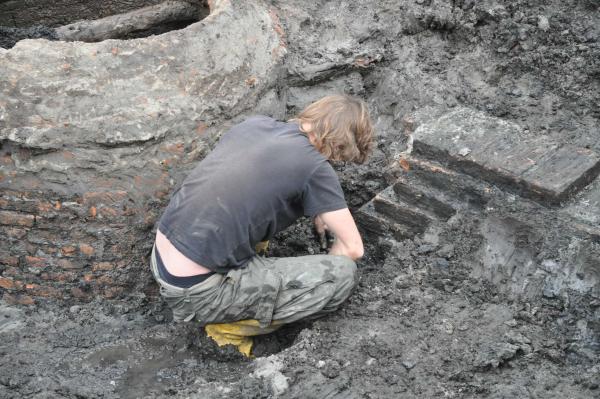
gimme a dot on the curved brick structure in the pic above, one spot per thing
(91, 134)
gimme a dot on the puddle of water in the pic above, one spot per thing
(147, 362)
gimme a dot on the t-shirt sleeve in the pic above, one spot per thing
(323, 192)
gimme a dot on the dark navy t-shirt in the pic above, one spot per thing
(262, 176)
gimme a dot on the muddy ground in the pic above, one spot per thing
(418, 324)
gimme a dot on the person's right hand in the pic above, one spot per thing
(341, 225)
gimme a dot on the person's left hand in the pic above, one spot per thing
(321, 229)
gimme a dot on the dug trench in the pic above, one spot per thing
(422, 322)
(480, 277)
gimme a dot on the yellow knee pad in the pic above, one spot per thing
(238, 333)
(262, 248)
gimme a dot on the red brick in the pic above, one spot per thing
(9, 260)
(15, 232)
(44, 207)
(68, 155)
(79, 293)
(43, 290)
(11, 272)
(112, 292)
(62, 277)
(201, 128)
(68, 250)
(35, 261)
(102, 266)
(10, 284)
(68, 264)
(18, 299)
(105, 280)
(108, 212)
(86, 249)
(104, 197)
(130, 211)
(176, 148)
(16, 219)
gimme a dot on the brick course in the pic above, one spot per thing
(11, 218)
(54, 247)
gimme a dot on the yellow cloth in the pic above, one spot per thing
(238, 334)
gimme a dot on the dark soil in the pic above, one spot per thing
(10, 36)
(419, 324)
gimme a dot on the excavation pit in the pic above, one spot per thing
(491, 291)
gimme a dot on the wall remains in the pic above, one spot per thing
(94, 136)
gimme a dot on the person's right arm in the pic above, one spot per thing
(347, 238)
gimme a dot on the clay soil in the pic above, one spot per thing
(418, 324)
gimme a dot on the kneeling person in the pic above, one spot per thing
(260, 178)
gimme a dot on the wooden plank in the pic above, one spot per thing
(498, 151)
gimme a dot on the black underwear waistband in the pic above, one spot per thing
(181, 282)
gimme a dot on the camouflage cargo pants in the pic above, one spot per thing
(267, 289)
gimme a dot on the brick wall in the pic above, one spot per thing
(95, 244)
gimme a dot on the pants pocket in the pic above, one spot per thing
(269, 291)
(249, 293)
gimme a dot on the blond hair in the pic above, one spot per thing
(341, 126)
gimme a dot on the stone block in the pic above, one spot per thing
(499, 152)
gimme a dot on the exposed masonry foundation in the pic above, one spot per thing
(47, 254)
(465, 162)
(94, 136)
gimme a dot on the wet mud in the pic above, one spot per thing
(444, 313)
